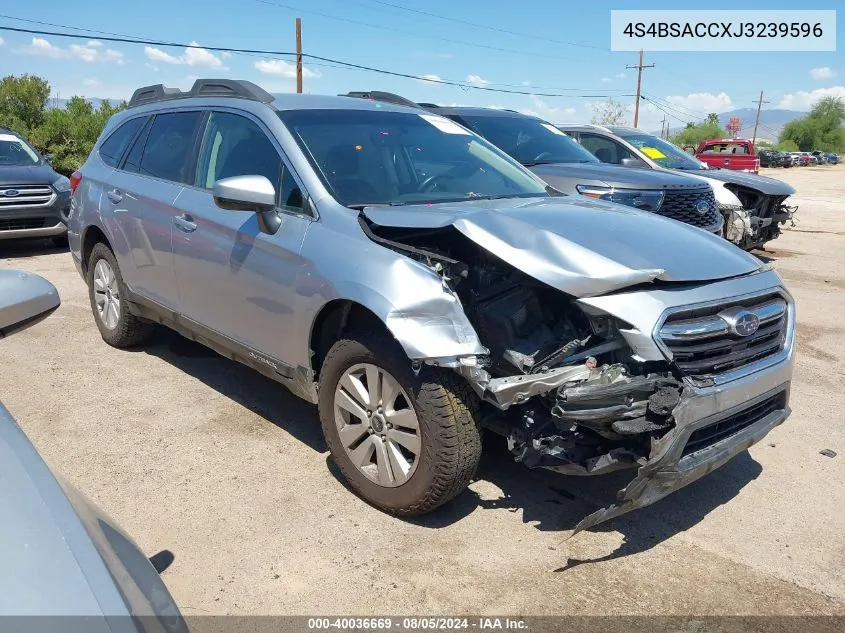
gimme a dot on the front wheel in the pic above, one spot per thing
(406, 443)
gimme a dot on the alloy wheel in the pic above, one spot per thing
(106, 294)
(377, 425)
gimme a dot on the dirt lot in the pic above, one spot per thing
(201, 456)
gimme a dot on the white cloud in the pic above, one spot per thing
(620, 76)
(1, 41)
(91, 82)
(805, 100)
(543, 110)
(91, 51)
(193, 56)
(477, 80)
(702, 102)
(526, 83)
(429, 79)
(40, 46)
(281, 68)
(821, 73)
(605, 79)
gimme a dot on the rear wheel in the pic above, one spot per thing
(406, 443)
(107, 292)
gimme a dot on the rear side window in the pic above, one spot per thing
(169, 147)
(604, 149)
(113, 147)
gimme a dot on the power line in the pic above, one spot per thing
(328, 60)
(484, 26)
(411, 33)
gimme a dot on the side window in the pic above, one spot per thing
(133, 159)
(233, 145)
(167, 152)
(604, 149)
(113, 147)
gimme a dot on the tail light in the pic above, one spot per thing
(75, 179)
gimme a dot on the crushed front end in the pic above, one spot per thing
(669, 379)
(759, 219)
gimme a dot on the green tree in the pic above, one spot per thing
(608, 112)
(22, 102)
(787, 146)
(821, 129)
(69, 133)
(695, 133)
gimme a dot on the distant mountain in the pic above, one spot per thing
(771, 122)
(54, 102)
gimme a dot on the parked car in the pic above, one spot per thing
(820, 157)
(796, 158)
(754, 207)
(785, 159)
(805, 159)
(735, 154)
(34, 199)
(832, 159)
(770, 158)
(418, 284)
(63, 557)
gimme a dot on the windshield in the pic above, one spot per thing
(13, 151)
(376, 157)
(530, 141)
(664, 153)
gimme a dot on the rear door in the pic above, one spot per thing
(235, 281)
(140, 199)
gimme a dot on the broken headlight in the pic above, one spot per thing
(645, 199)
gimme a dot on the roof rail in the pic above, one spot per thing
(237, 88)
(428, 105)
(386, 97)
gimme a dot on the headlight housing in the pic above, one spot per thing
(62, 184)
(644, 199)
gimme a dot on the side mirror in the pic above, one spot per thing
(249, 193)
(25, 299)
(632, 162)
(48, 158)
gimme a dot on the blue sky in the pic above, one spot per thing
(559, 45)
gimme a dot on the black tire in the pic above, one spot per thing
(130, 330)
(446, 408)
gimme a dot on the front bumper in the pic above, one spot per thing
(49, 220)
(670, 467)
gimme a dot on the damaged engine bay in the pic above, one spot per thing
(760, 218)
(560, 384)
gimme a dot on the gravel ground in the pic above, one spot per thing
(201, 456)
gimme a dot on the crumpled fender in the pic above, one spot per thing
(423, 315)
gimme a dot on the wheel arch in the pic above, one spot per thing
(92, 236)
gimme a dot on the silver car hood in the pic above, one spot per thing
(580, 246)
(764, 184)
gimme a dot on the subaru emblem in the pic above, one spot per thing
(702, 207)
(740, 322)
(11, 193)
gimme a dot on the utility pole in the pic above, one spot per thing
(298, 55)
(639, 68)
(760, 103)
(662, 125)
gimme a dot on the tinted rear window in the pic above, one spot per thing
(113, 147)
(170, 145)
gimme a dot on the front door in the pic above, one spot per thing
(233, 279)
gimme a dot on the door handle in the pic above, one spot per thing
(185, 223)
(115, 195)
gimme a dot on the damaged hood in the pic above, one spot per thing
(764, 184)
(580, 246)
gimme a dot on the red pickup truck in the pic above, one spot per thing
(735, 153)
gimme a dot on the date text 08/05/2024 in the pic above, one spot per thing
(417, 623)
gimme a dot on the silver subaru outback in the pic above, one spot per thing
(418, 285)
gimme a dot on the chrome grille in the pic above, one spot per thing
(702, 341)
(25, 196)
(681, 206)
